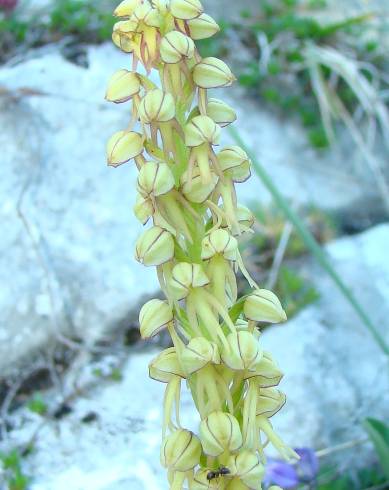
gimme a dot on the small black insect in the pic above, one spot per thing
(211, 475)
(222, 471)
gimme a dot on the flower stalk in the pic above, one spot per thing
(186, 195)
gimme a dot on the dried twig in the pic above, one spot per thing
(341, 447)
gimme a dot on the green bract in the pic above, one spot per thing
(185, 197)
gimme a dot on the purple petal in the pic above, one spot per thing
(308, 466)
(282, 474)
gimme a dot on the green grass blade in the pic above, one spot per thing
(379, 435)
(331, 29)
(310, 241)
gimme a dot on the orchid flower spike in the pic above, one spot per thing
(186, 198)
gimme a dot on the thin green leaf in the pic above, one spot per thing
(379, 435)
(310, 242)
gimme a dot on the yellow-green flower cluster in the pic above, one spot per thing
(186, 195)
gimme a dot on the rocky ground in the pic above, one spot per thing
(67, 265)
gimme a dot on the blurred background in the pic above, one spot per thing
(77, 410)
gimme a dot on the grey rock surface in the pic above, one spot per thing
(335, 376)
(67, 222)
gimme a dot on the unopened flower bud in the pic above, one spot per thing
(212, 73)
(154, 247)
(163, 367)
(157, 106)
(126, 8)
(123, 146)
(248, 468)
(264, 306)
(146, 14)
(175, 46)
(143, 209)
(155, 179)
(186, 9)
(123, 35)
(267, 372)
(198, 353)
(181, 451)
(153, 317)
(242, 173)
(219, 242)
(122, 86)
(245, 217)
(195, 190)
(202, 27)
(231, 157)
(235, 163)
(201, 129)
(125, 27)
(186, 276)
(220, 112)
(220, 432)
(270, 401)
(244, 352)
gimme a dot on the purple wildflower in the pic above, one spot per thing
(288, 475)
(308, 465)
(281, 473)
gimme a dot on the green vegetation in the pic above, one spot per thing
(13, 473)
(81, 21)
(364, 479)
(379, 436)
(89, 21)
(37, 405)
(280, 39)
(375, 477)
